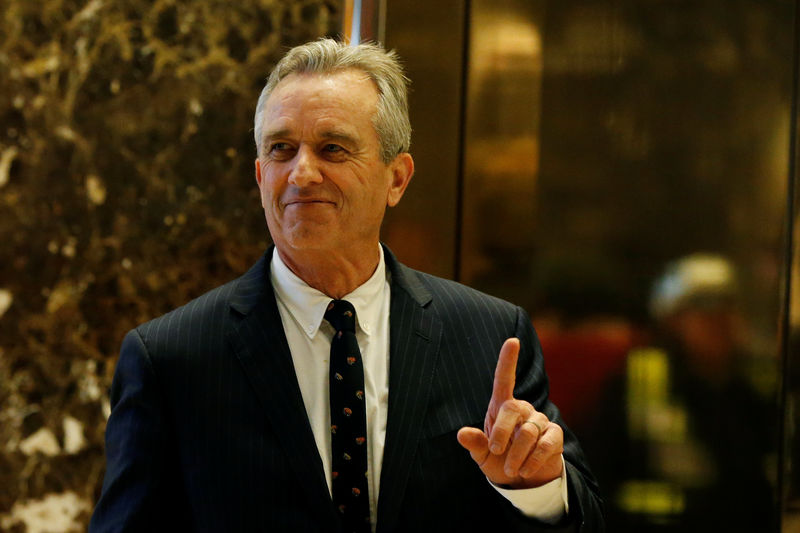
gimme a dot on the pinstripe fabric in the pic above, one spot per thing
(208, 429)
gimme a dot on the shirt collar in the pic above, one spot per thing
(307, 305)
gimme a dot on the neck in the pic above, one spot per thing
(335, 274)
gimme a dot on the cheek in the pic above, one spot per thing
(270, 187)
(376, 189)
(263, 192)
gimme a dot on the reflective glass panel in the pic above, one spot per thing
(625, 181)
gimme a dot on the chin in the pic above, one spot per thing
(309, 239)
(299, 235)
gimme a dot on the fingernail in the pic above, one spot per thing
(495, 448)
(524, 472)
(509, 471)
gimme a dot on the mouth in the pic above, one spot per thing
(307, 202)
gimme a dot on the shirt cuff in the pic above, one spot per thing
(546, 503)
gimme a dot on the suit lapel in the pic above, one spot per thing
(259, 341)
(415, 335)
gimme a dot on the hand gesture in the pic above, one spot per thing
(518, 446)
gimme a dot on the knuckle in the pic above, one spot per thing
(545, 448)
(533, 463)
(528, 431)
(513, 406)
(500, 435)
(558, 447)
(549, 447)
(557, 434)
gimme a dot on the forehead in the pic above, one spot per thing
(347, 95)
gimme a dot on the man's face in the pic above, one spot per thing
(322, 180)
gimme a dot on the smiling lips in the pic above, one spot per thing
(303, 202)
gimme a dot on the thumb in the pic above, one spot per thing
(475, 442)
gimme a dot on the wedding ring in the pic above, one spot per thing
(539, 427)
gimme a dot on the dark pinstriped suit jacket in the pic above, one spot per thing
(208, 430)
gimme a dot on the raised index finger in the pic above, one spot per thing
(505, 374)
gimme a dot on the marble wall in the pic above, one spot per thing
(126, 189)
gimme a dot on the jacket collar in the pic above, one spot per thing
(406, 279)
(254, 285)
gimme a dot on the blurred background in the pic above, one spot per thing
(623, 170)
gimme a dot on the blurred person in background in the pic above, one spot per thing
(698, 432)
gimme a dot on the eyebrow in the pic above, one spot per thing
(338, 135)
(334, 135)
(275, 133)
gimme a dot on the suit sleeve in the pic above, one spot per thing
(585, 505)
(137, 444)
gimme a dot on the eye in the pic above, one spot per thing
(333, 151)
(281, 151)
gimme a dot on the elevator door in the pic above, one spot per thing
(621, 169)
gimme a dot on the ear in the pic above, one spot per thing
(402, 169)
(258, 173)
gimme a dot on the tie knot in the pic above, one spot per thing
(342, 315)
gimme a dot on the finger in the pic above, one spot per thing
(524, 441)
(511, 414)
(505, 374)
(550, 444)
(475, 442)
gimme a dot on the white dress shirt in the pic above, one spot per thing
(302, 309)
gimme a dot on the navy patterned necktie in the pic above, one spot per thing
(348, 421)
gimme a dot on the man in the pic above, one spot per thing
(225, 412)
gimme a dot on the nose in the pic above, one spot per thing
(305, 170)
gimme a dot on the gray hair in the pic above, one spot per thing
(326, 56)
